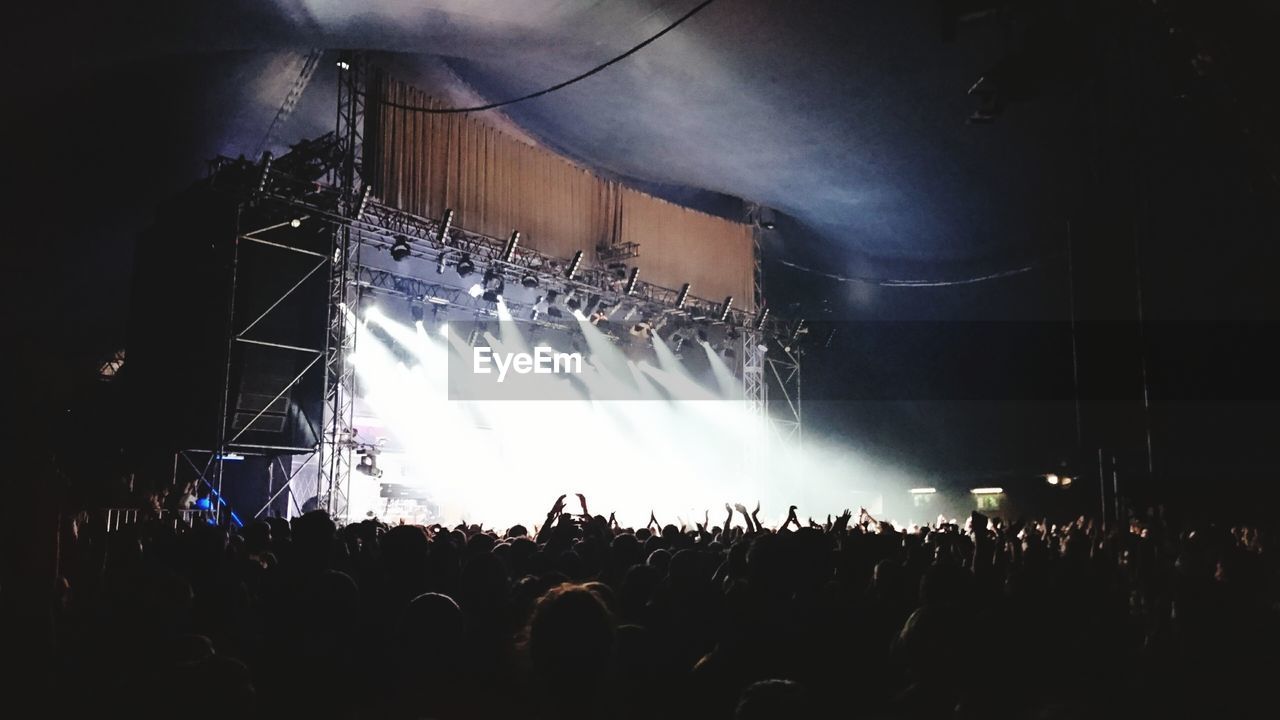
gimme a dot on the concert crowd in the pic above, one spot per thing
(580, 617)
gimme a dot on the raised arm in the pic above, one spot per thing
(545, 531)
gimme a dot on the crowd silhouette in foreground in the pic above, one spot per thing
(579, 617)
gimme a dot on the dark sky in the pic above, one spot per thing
(847, 117)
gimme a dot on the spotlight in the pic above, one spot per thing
(764, 315)
(632, 280)
(731, 333)
(476, 290)
(684, 295)
(702, 336)
(800, 330)
(437, 300)
(364, 201)
(440, 263)
(724, 311)
(729, 353)
(445, 223)
(677, 341)
(368, 464)
(923, 491)
(267, 158)
(1051, 479)
(509, 251)
(572, 302)
(344, 65)
(1065, 481)
(529, 280)
(493, 285)
(295, 223)
(415, 311)
(987, 491)
(465, 267)
(573, 265)
(400, 248)
(598, 317)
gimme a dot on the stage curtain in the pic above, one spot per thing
(425, 163)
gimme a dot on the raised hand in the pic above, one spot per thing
(740, 508)
(582, 500)
(558, 507)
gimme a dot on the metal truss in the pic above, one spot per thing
(782, 365)
(337, 438)
(287, 485)
(292, 97)
(358, 219)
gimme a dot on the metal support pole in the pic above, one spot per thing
(1102, 487)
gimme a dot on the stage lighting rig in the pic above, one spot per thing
(493, 285)
(368, 464)
(551, 300)
(509, 252)
(760, 319)
(267, 159)
(574, 265)
(399, 248)
(529, 280)
(440, 263)
(632, 280)
(726, 308)
(465, 267)
(364, 201)
(445, 224)
(682, 297)
(801, 329)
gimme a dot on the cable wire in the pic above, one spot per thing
(448, 111)
(892, 282)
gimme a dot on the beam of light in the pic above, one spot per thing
(729, 385)
(667, 359)
(605, 354)
(608, 434)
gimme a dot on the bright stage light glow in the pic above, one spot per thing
(607, 434)
(987, 491)
(923, 491)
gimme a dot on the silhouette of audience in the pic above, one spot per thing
(581, 617)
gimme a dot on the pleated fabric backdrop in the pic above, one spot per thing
(425, 163)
